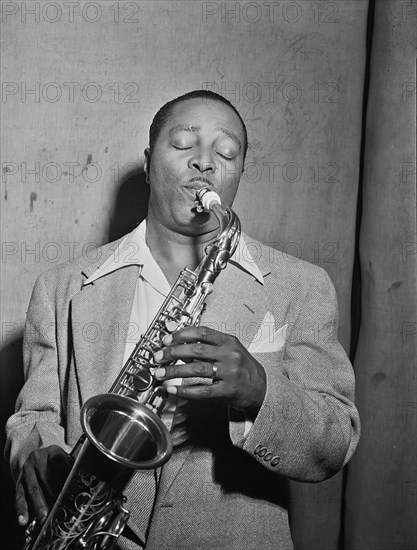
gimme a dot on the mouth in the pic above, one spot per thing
(194, 185)
(191, 193)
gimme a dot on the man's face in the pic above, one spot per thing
(200, 145)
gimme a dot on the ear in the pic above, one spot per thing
(147, 163)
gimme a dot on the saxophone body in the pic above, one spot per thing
(122, 429)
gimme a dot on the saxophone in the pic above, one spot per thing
(122, 429)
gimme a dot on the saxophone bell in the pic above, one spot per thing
(120, 436)
(128, 433)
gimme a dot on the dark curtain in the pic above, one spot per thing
(381, 491)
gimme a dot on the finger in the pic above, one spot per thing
(187, 352)
(199, 392)
(34, 494)
(21, 505)
(200, 369)
(189, 335)
(52, 472)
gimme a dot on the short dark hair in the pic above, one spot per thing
(165, 111)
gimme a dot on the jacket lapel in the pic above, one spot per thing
(100, 322)
(237, 306)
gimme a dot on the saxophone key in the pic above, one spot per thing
(138, 362)
(142, 380)
(171, 325)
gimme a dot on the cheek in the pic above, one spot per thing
(230, 184)
(163, 179)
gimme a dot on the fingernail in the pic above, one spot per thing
(159, 373)
(167, 339)
(159, 355)
(172, 390)
(21, 520)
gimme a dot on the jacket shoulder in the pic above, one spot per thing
(282, 266)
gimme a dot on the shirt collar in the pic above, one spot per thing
(244, 259)
(133, 250)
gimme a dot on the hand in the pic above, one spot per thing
(237, 377)
(38, 486)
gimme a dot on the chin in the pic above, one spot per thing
(197, 223)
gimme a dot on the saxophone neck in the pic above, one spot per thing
(229, 223)
(224, 245)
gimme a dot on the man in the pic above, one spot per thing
(267, 399)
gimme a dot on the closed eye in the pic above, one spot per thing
(226, 157)
(183, 148)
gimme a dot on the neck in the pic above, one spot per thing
(173, 251)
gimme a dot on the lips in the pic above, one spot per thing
(198, 183)
(195, 185)
(191, 192)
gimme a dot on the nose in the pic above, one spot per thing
(203, 162)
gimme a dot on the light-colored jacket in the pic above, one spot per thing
(220, 490)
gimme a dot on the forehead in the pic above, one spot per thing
(206, 114)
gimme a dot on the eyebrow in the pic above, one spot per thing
(182, 128)
(231, 135)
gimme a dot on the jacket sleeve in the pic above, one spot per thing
(307, 427)
(37, 421)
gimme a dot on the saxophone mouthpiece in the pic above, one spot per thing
(206, 199)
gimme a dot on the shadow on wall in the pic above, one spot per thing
(130, 208)
(130, 204)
